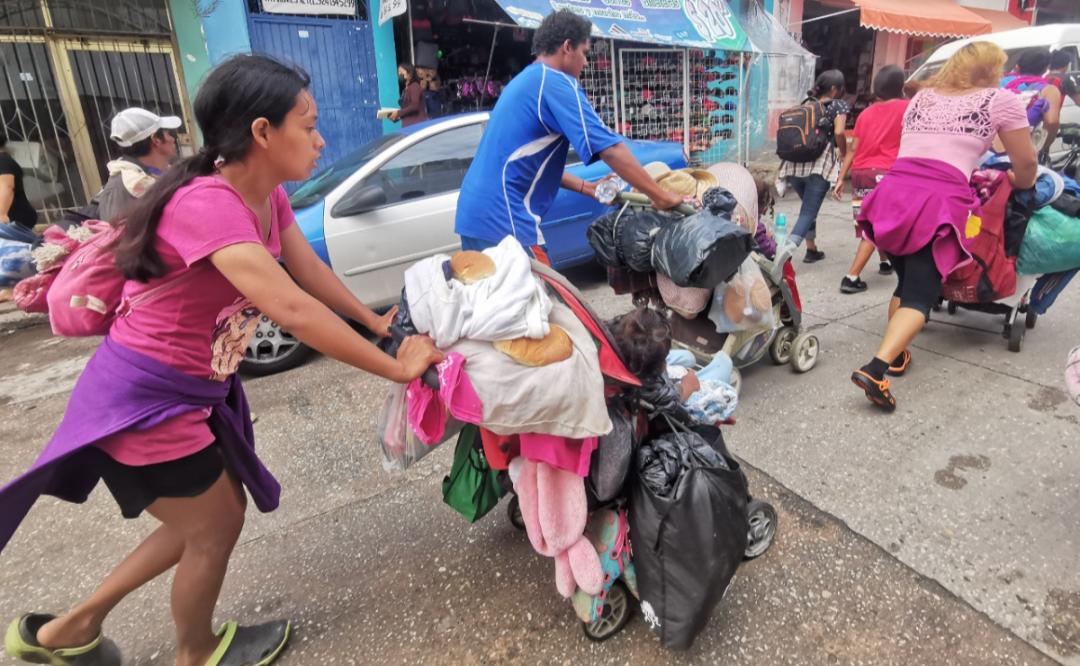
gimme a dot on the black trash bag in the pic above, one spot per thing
(612, 458)
(634, 234)
(688, 529)
(1017, 217)
(719, 201)
(601, 235)
(702, 250)
(665, 397)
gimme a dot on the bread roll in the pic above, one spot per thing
(470, 266)
(537, 353)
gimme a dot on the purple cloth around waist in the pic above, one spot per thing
(119, 390)
(920, 201)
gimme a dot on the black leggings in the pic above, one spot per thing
(919, 285)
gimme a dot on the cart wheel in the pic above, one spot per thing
(951, 308)
(736, 380)
(613, 616)
(1031, 318)
(1016, 336)
(763, 520)
(513, 512)
(804, 352)
(780, 349)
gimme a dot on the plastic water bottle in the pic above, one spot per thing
(607, 190)
(780, 231)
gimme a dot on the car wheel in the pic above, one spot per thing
(272, 350)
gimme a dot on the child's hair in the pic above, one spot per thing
(766, 201)
(643, 340)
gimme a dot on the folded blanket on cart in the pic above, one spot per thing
(512, 303)
(565, 399)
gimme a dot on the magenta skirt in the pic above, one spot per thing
(919, 202)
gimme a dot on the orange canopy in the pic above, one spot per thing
(1001, 21)
(931, 18)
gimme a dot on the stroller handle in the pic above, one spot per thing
(639, 199)
(431, 375)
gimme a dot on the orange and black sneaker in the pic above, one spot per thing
(900, 364)
(877, 390)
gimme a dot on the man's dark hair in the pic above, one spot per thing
(889, 83)
(559, 27)
(141, 148)
(1060, 59)
(1033, 62)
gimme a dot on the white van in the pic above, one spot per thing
(1062, 36)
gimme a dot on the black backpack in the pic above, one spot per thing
(803, 133)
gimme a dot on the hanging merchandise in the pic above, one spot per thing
(688, 527)
(472, 488)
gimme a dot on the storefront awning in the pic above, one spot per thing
(928, 18)
(705, 24)
(1001, 21)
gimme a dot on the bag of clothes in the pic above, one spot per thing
(702, 250)
(688, 527)
(1051, 243)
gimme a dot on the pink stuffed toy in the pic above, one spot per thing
(554, 510)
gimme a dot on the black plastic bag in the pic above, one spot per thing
(613, 457)
(702, 250)
(624, 238)
(687, 544)
(601, 236)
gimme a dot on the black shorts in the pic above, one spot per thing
(136, 487)
(918, 280)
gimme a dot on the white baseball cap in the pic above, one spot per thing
(131, 126)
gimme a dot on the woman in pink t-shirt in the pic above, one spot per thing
(215, 225)
(919, 211)
(875, 143)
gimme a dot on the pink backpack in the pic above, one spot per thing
(83, 290)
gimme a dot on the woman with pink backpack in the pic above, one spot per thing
(159, 414)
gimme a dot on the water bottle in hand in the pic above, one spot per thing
(607, 190)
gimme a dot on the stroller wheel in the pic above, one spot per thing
(780, 350)
(951, 307)
(804, 352)
(1030, 319)
(513, 512)
(1016, 335)
(763, 520)
(613, 617)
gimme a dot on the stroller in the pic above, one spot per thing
(621, 384)
(784, 341)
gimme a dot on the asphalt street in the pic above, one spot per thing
(946, 533)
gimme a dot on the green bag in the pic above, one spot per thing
(1051, 243)
(472, 488)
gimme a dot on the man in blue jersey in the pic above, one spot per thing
(520, 163)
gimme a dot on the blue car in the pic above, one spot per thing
(379, 210)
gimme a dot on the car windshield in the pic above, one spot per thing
(931, 68)
(318, 186)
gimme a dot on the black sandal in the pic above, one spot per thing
(877, 391)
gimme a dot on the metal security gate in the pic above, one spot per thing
(66, 68)
(339, 54)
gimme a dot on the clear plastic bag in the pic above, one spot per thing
(744, 302)
(399, 445)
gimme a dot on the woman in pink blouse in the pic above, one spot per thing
(917, 213)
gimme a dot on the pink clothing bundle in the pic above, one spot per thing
(571, 455)
(555, 511)
(428, 408)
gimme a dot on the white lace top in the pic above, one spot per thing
(957, 130)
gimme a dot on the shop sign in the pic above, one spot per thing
(388, 9)
(341, 7)
(696, 23)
